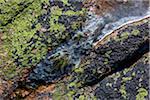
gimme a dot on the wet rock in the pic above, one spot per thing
(121, 50)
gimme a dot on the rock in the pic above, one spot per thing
(116, 69)
(69, 49)
(129, 83)
(116, 52)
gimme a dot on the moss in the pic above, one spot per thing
(142, 93)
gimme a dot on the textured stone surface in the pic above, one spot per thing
(56, 49)
(29, 29)
(117, 52)
(131, 83)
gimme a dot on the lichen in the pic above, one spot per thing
(125, 79)
(65, 2)
(123, 91)
(135, 32)
(122, 37)
(16, 25)
(142, 93)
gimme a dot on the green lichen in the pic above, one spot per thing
(16, 25)
(122, 37)
(65, 2)
(105, 61)
(82, 97)
(123, 91)
(126, 70)
(10, 8)
(142, 93)
(76, 25)
(109, 84)
(135, 32)
(71, 13)
(79, 70)
(107, 54)
(125, 79)
(133, 74)
(56, 11)
(61, 31)
(116, 75)
(125, 35)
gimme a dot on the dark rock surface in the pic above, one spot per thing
(109, 72)
(119, 52)
(56, 49)
(127, 84)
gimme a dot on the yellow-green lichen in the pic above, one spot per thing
(122, 37)
(126, 70)
(82, 97)
(62, 31)
(107, 54)
(123, 91)
(56, 11)
(79, 70)
(16, 34)
(56, 27)
(142, 93)
(65, 2)
(125, 79)
(135, 32)
(10, 8)
(109, 84)
(133, 74)
(71, 13)
(105, 61)
(115, 75)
